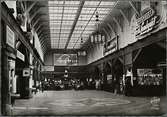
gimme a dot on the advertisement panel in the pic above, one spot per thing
(10, 37)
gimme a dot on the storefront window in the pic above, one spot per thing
(150, 76)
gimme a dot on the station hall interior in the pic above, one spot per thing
(83, 57)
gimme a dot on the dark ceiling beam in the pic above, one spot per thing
(43, 31)
(88, 22)
(45, 35)
(82, 13)
(55, 20)
(39, 16)
(69, 51)
(118, 24)
(35, 23)
(44, 50)
(68, 33)
(42, 40)
(40, 32)
(35, 13)
(38, 27)
(61, 22)
(44, 46)
(111, 28)
(133, 7)
(44, 43)
(42, 27)
(30, 7)
(124, 16)
(89, 6)
(75, 22)
(106, 32)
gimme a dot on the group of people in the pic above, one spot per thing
(94, 83)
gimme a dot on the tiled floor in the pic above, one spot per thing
(86, 102)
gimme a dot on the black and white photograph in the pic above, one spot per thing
(83, 58)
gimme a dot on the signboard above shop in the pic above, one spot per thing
(48, 68)
(111, 46)
(146, 22)
(20, 55)
(10, 37)
(26, 72)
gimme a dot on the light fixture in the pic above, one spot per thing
(97, 37)
(97, 20)
(81, 40)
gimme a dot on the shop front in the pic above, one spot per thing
(108, 76)
(117, 75)
(150, 70)
(22, 71)
(8, 68)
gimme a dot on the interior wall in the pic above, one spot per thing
(48, 59)
(38, 46)
(95, 53)
(82, 60)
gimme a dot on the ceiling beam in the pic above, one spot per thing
(30, 7)
(72, 51)
(133, 7)
(73, 5)
(118, 24)
(108, 31)
(105, 31)
(43, 34)
(111, 28)
(75, 22)
(53, 20)
(43, 31)
(44, 45)
(124, 16)
(44, 42)
(138, 53)
(36, 22)
(38, 27)
(35, 13)
(42, 27)
(88, 22)
(27, 10)
(38, 16)
(61, 22)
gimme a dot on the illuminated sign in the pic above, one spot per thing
(146, 14)
(146, 22)
(10, 37)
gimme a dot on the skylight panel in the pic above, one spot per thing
(91, 3)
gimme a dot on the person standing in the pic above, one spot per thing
(128, 82)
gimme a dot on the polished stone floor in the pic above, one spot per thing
(88, 102)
